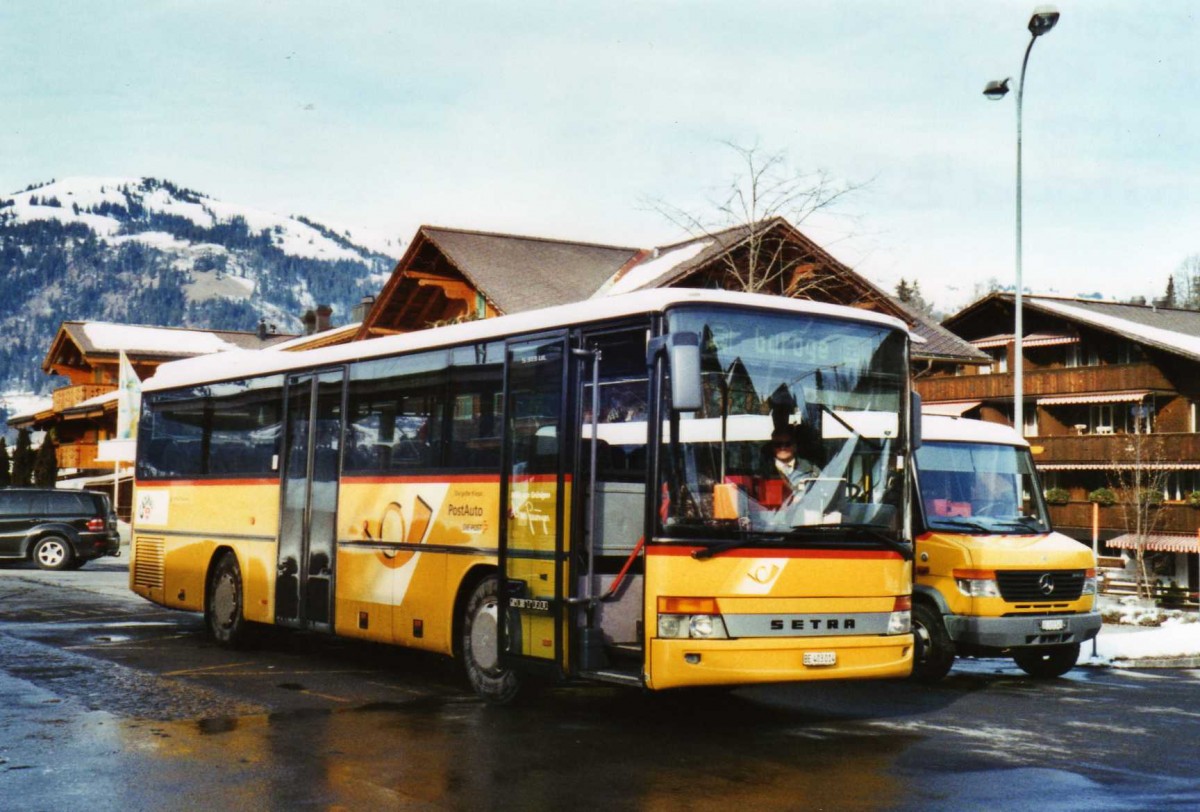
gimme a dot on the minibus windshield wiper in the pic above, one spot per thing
(955, 521)
(872, 531)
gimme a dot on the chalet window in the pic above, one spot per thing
(1101, 419)
(1029, 417)
(1072, 357)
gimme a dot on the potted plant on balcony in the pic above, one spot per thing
(1193, 499)
(1104, 497)
(1057, 496)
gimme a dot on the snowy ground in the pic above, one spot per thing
(1142, 633)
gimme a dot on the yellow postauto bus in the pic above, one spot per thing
(573, 493)
(992, 578)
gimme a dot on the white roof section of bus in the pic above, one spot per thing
(938, 428)
(224, 366)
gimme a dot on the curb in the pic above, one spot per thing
(1192, 661)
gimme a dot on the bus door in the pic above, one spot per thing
(308, 510)
(534, 491)
(610, 499)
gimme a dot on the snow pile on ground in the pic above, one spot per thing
(1142, 632)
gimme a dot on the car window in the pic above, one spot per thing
(14, 504)
(66, 504)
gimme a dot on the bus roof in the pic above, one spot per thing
(236, 364)
(940, 428)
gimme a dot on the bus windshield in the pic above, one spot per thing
(799, 431)
(980, 488)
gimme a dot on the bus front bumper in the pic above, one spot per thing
(747, 661)
(1020, 631)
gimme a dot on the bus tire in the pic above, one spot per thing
(223, 603)
(53, 553)
(1047, 662)
(933, 655)
(481, 645)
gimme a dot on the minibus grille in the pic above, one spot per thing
(148, 563)
(1022, 586)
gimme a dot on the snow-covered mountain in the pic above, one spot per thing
(146, 251)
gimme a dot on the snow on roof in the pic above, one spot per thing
(646, 272)
(300, 341)
(1189, 344)
(134, 338)
(245, 363)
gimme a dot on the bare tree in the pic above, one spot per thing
(765, 189)
(1187, 283)
(1141, 486)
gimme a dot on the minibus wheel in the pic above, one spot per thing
(481, 645)
(1047, 662)
(933, 655)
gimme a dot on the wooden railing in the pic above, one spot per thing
(70, 396)
(1170, 518)
(1111, 378)
(1100, 448)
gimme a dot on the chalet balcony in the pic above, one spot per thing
(70, 396)
(78, 455)
(1038, 382)
(1094, 449)
(1075, 519)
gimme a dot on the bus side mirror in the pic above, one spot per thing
(683, 356)
(914, 412)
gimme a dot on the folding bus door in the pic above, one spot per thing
(308, 510)
(531, 542)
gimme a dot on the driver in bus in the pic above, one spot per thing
(793, 469)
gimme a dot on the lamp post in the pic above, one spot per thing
(1044, 18)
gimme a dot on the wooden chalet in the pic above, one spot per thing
(450, 274)
(1110, 390)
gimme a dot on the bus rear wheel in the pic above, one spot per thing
(1047, 662)
(223, 602)
(934, 653)
(481, 645)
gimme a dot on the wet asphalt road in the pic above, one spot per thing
(109, 702)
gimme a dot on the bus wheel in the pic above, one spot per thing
(223, 603)
(481, 645)
(934, 653)
(1047, 662)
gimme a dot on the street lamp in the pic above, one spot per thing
(1044, 18)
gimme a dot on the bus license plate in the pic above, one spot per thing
(820, 658)
(1053, 625)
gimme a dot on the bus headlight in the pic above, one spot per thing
(694, 618)
(977, 583)
(695, 627)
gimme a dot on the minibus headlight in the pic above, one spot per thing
(1089, 583)
(900, 620)
(977, 583)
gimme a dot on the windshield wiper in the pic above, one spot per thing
(725, 546)
(873, 531)
(956, 521)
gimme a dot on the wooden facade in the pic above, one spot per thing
(1110, 397)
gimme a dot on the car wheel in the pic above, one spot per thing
(934, 653)
(1047, 662)
(223, 603)
(481, 645)
(53, 553)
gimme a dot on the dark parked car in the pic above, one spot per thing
(57, 530)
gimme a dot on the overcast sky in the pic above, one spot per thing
(562, 119)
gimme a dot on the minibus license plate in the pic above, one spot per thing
(1054, 625)
(820, 658)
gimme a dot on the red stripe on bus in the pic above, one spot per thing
(157, 483)
(766, 552)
